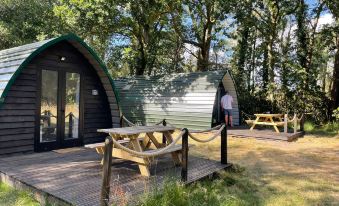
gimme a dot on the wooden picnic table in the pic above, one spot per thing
(132, 134)
(269, 120)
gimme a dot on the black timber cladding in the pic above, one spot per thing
(17, 113)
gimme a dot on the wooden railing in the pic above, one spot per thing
(107, 159)
(296, 121)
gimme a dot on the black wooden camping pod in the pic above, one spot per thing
(54, 94)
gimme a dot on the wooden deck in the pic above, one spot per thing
(263, 134)
(73, 176)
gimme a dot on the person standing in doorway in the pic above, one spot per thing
(226, 106)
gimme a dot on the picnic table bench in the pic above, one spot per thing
(269, 120)
(130, 136)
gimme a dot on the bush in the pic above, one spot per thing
(329, 129)
(335, 114)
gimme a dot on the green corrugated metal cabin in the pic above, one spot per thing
(186, 100)
(54, 94)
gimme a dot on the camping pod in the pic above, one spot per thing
(189, 100)
(54, 94)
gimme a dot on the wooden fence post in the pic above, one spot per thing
(106, 173)
(184, 155)
(285, 123)
(164, 123)
(295, 127)
(223, 146)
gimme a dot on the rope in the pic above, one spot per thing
(207, 130)
(209, 139)
(299, 119)
(296, 116)
(249, 117)
(127, 121)
(148, 154)
(291, 120)
(132, 124)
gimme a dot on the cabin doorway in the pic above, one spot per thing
(59, 106)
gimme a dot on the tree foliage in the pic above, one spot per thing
(282, 56)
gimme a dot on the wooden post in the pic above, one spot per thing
(302, 121)
(106, 173)
(285, 123)
(295, 127)
(223, 146)
(164, 123)
(184, 162)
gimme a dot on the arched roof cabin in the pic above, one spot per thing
(186, 100)
(54, 94)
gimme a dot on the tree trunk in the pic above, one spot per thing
(204, 51)
(203, 58)
(253, 61)
(265, 70)
(302, 47)
(141, 60)
(335, 84)
(243, 44)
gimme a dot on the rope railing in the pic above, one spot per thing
(131, 124)
(207, 130)
(291, 120)
(295, 117)
(249, 116)
(301, 117)
(221, 127)
(148, 154)
(183, 135)
(127, 121)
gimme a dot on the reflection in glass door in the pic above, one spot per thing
(72, 105)
(49, 106)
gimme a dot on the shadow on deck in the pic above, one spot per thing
(263, 134)
(73, 176)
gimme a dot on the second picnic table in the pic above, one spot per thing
(130, 135)
(268, 119)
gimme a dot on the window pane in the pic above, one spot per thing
(49, 106)
(72, 105)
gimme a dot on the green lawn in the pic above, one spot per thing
(11, 197)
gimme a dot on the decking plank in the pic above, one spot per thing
(75, 177)
(264, 134)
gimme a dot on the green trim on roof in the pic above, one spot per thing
(43, 48)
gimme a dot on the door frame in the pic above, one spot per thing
(61, 95)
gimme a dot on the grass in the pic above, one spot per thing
(330, 129)
(230, 188)
(12, 197)
(305, 172)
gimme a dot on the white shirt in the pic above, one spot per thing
(226, 101)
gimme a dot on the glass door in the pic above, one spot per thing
(59, 110)
(49, 107)
(72, 106)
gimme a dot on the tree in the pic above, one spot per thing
(201, 21)
(23, 22)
